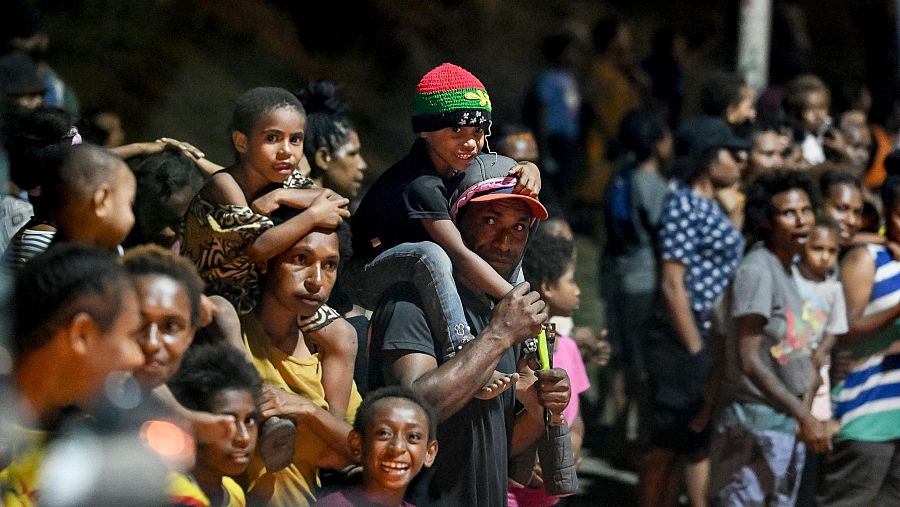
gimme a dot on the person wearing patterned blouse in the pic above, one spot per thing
(698, 249)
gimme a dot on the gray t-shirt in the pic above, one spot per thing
(824, 304)
(761, 286)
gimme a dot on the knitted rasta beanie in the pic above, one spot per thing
(450, 96)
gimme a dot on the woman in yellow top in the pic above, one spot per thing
(296, 282)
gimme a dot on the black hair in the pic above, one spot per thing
(327, 125)
(761, 191)
(798, 88)
(689, 168)
(257, 102)
(366, 409)
(825, 221)
(890, 193)
(639, 132)
(159, 177)
(720, 91)
(84, 167)
(547, 258)
(832, 178)
(36, 140)
(60, 283)
(156, 260)
(209, 369)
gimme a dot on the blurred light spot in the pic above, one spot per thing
(70, 470)
(122, 390)
(167, 439)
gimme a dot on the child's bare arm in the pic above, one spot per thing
(476, 270)
(337, 346)
(322, 212)
(299, 198)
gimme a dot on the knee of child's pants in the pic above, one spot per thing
(433, 257)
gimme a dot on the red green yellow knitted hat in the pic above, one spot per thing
(450, 96)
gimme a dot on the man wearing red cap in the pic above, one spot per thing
(477, 437)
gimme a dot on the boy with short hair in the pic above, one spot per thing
(217, 379)
(75, 318)
(91, 196)
(394, 436)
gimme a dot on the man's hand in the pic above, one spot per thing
(815, 434)
(529, 177)
(553, 389)
(519, 314)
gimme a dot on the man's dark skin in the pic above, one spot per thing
(497, 231)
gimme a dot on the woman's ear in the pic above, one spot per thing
(322, 158)
(239, 140)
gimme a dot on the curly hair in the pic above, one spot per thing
(253, 104)
(156, 260)
(209, 369)
(761, 191)
(367, 408)
(547, 258)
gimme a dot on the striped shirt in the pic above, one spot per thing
(868, 401)
(24, 246)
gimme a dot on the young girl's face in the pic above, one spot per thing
(563, 297)
(274, 146)
(820, 254)
(230, 454)
(396, 445)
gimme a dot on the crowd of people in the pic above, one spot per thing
(268, 332)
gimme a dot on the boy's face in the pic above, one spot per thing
(231, 454)
(116, 349)
(815, 110)
(820, 253)
(453, 148)
(396, 445)
(563, 297)
(274, 146)
(117, 216)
